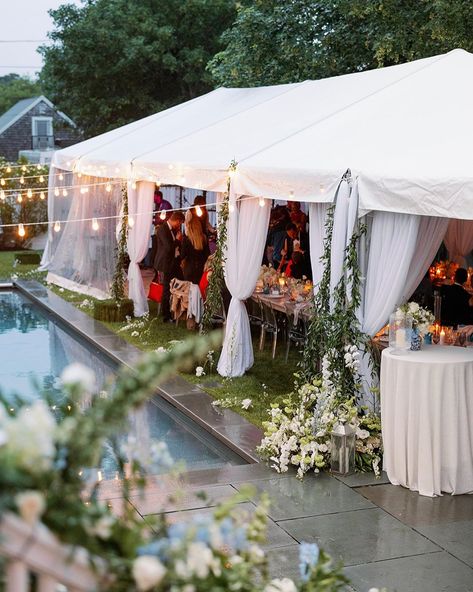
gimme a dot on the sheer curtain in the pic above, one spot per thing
(339, 236)
(317, 219)
(140, 208)
(429, 238)
(247, 226)
(459, 240)
(392, 247)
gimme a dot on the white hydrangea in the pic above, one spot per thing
(78, 374)
(281, 585)
(148, 572)
(31, 505)
(199, 371)
(246, 403)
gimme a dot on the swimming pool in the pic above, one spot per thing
(35, 346)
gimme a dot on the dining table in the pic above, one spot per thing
(427, 419)
(283, 303)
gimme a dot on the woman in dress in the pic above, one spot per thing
(194, 250)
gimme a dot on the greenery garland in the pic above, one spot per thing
(213, 301)
(117, 289)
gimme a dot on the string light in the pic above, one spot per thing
(38, 167)
(231, 208)
(2, 181)
(170, 167)
(108, 187)
(261, 202)
(95, 224)
(61, 177)
(19, 198)
(41, 179)
(29, 193)
(23, 168)
(322, 188)
(133, 185)
(21, 230)
(198, 211)
(64, 192)
(82, 190)
(8, 169)
(22, 179)
(79, 175)
(231, 173)
(162, 215)
(56, 192)
(131, 221)
(291, 194)
(2, 195)
(183, 180)
(42, 195)
(57, 226)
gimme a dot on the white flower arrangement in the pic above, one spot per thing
(422, 318)
(199, 371)
(246, 404)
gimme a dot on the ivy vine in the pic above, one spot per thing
(117, 289)
(213, 301)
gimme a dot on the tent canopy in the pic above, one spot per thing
(404, 131)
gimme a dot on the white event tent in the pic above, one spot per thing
(403, 133)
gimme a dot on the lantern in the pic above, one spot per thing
(343, 448)
(400, 331)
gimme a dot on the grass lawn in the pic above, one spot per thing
(268, 381)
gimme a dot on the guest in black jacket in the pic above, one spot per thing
(195, 251)
(167, 261)
(457, 302)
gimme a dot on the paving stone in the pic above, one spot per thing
(283, 562)
(360, 536)
(313, 496)
(435, 572)
(455, 537)
(363, 479)
(186, 499)
(418, 510)
(178, 386)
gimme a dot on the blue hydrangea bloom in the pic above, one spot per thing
(308, 558)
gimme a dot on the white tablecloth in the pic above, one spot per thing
(427, 419)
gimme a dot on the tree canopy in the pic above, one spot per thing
(279, 41)
(14, 87)
(114, 61)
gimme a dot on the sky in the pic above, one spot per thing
(25, 20)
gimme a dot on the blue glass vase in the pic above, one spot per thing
(416, 340)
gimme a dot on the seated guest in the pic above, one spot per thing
(296, 267)
(168, 258)
(457, 302)
(204, 280)
(194, 251)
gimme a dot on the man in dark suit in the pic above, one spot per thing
(167, 260)
(457, 302)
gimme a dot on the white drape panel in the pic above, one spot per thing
(317, 219)
(339, 236)
(393, 241)
(459, 240)
(247, 228)
(429, 238)
(140, 207)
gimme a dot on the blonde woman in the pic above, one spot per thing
(194, 250)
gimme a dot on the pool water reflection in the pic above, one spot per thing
(34, 347)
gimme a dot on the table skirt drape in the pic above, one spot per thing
(427, 419)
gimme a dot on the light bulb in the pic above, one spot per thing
(21, 230)
(82, 190)
(322, 188)
(231, 173)
(133, 185)
(231, 207)
(2, 195)
(183, 180)
(29, 193)
(61, 177)
(42, 195)
(57, 226)
(86, 190)
(198, 211)
(95, 224)
(131, 221)
(41, 179)
(8, 169)
(19, 198)
(64, 192)
(108, 187)
(23, 168)
(261, 202)
(291, 194)
(158, 184)
(2, 181)
(68, 163)
(79, 175)
(56, 192)
(162, 215)
(22, 179)
(38, 167)
(170, 167)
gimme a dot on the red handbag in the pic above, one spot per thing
(155, 292)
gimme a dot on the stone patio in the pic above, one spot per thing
(385, 535)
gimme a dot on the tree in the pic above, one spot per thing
(113, 61)
(279, 41)
(14, 87)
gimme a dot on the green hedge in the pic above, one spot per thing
(112, 312)
(28, 258)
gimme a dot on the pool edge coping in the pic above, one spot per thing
(47, 301)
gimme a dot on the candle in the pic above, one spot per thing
(401, 340)
(442, 337)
